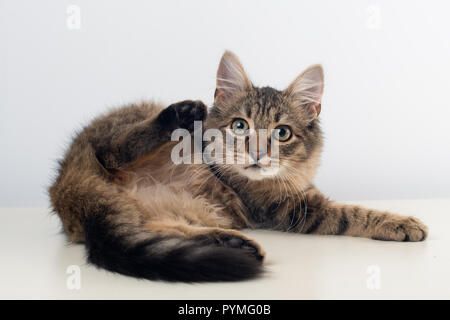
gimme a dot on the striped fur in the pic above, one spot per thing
(141, 215)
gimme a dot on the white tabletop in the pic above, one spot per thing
(35, 259)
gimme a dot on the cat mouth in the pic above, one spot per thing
(253, 166)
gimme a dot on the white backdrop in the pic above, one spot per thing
(387, 65)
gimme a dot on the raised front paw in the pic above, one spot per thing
(183, 114)
(398, 228)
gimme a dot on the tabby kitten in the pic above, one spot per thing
(139, 214)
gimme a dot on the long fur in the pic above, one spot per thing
(119, 192)
(181, 260)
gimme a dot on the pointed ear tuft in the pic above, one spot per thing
(231, 77)
(307, 89)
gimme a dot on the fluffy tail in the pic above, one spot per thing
(140, 254)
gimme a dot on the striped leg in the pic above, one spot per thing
(328, 217)
(125, 145)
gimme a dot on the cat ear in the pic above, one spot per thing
(231, 77)
(307, 89)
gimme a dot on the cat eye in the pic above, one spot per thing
(239, 127)
(282, 133)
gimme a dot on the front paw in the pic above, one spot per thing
(400, 228)
(183, 114)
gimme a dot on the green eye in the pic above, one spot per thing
(282, 133)
(239, 127)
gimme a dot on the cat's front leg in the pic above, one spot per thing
(144, 137)
(182, 115)
(327, 217)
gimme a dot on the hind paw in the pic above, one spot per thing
(239, 241)
(235, 240)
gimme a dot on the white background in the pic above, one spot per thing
(385, 111)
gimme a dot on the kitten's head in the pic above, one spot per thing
(289, 118)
